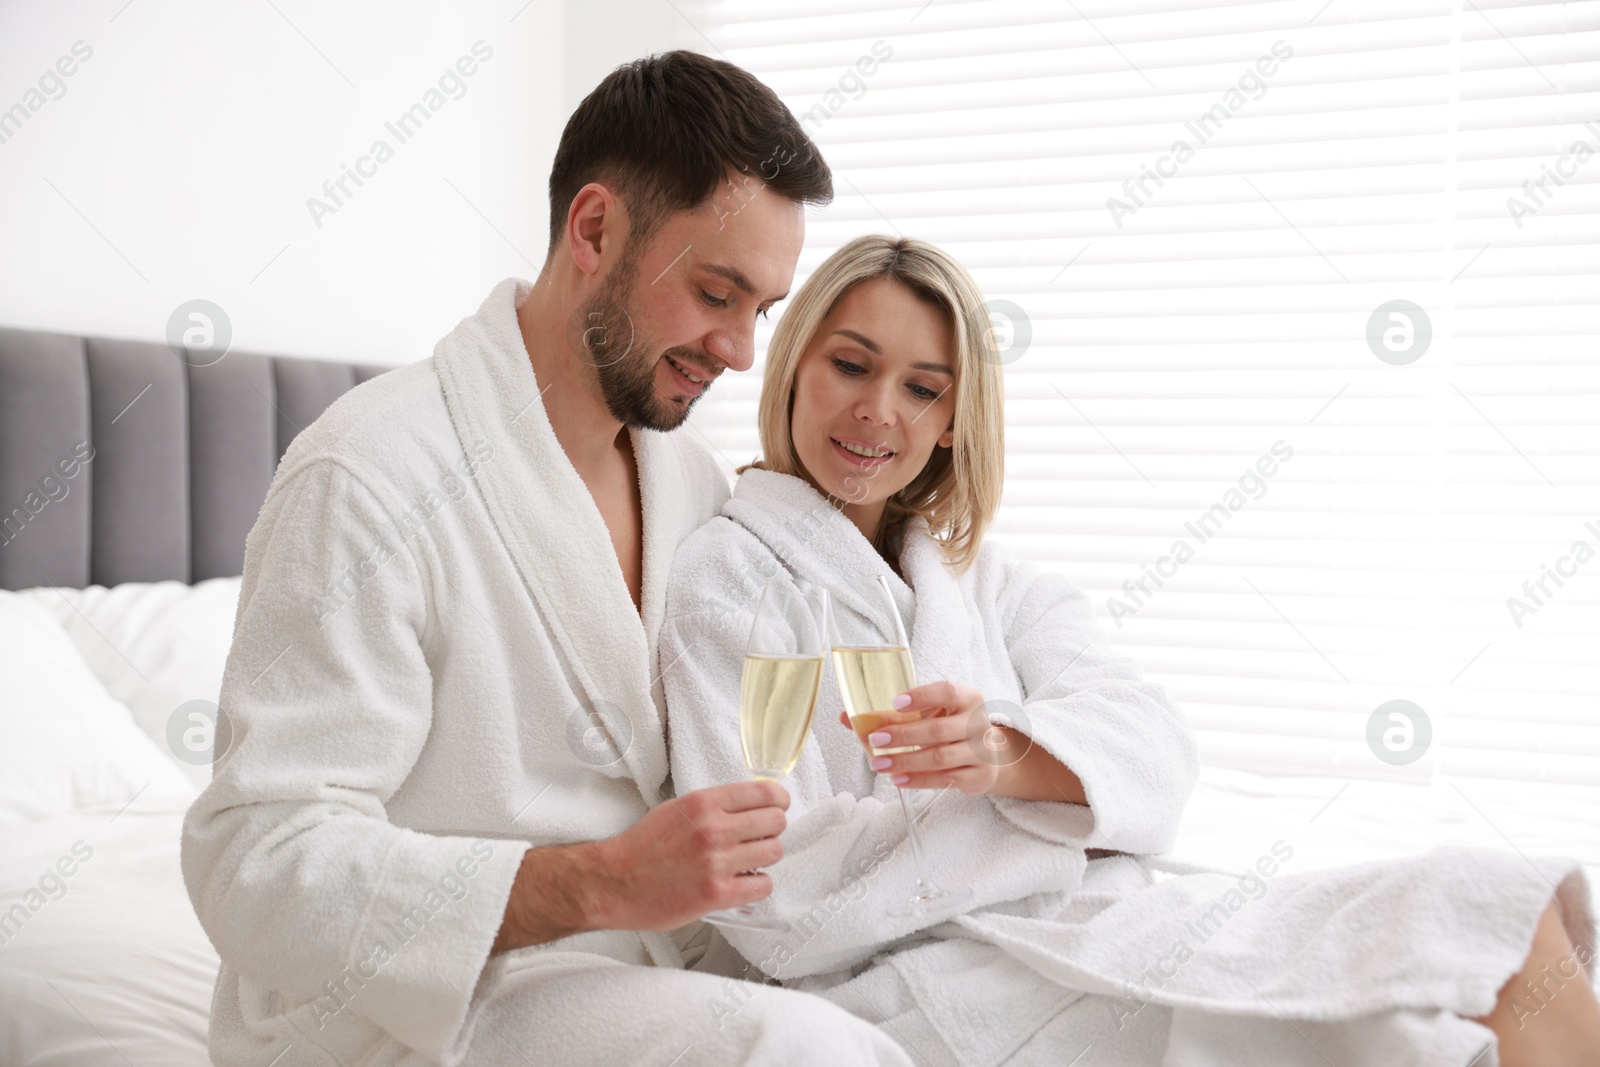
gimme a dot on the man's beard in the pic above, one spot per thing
(622, 361)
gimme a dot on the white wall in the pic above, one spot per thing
(178, 162)
(603, 34)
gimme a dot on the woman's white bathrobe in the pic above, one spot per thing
(437, 664)
(1064, 950)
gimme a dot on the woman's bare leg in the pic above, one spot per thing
(1547, 1015)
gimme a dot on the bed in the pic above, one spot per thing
(120, 581)
(128, 481)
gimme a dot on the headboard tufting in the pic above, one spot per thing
(119, 462)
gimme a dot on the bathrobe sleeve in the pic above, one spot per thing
(297, 875)
(1091, 708)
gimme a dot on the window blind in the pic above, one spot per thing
(1301, 302)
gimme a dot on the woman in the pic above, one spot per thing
(882, 449)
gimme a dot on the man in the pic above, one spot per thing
(439, 834)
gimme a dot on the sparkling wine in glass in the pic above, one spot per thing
(872, 662)
(777, 699)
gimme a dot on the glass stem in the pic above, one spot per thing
(923, 883)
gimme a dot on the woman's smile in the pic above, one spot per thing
(862, 453)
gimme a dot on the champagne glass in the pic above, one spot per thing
(872, 662)
(777, 698)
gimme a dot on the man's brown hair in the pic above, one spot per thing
(664, 131)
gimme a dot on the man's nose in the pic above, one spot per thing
(736, 350)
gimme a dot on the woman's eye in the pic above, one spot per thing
(847, 367)
(922, 392)
(714, 301)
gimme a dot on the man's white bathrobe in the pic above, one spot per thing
(437, 665)
(1066, 951)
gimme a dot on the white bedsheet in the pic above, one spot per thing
(115, 970)
(1235, 816)
(118, 971)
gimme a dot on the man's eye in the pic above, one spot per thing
(714, 301)
(763, 312)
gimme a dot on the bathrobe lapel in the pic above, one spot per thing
(554, 532)
(947, 642)
(816, 541)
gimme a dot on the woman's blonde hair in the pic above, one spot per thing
(958, 490)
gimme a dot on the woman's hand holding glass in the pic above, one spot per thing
(954, 742)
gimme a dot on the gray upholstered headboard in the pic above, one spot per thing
(181, 455)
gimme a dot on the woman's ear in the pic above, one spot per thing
(948, 438)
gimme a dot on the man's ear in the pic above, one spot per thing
(594, 223)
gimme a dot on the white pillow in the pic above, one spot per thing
(66, 743)
(155, 645)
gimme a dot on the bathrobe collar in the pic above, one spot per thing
(550, 525)
(817, 543)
